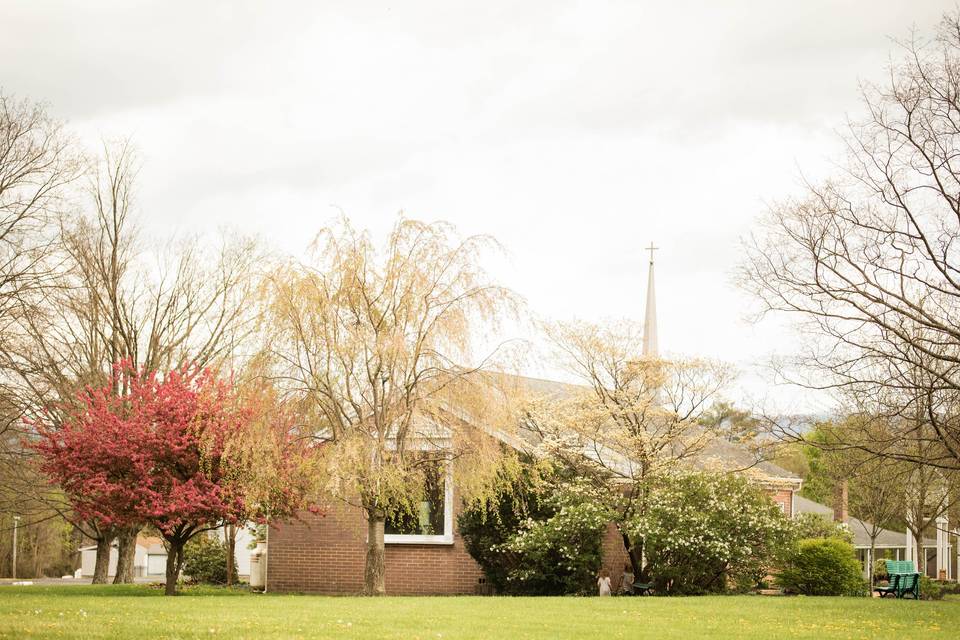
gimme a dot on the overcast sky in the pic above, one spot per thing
(574, 132)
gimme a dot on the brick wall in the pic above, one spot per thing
(325, 554)
(783, 497)
(614, 555)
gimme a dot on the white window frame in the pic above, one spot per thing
(447, 536)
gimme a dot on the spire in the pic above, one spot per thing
(650, 346)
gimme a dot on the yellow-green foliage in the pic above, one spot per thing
(377, 347)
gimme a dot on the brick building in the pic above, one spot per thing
(325, 554)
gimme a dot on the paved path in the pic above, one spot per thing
(64, 582)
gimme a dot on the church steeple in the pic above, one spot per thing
(651, 348)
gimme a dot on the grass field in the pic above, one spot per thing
(142, 612)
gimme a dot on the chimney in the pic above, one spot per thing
(840, 502)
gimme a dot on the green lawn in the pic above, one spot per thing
(141, 612)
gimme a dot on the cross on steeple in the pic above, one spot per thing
(651, 249)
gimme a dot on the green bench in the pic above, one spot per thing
(904, 580)
(642, 588)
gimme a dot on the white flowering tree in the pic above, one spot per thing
(706, 532)
(631, 419)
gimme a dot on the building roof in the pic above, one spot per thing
(805, 505)
(732, 456)
(861, 530)
(718, 455)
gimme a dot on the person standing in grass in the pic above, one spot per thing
(626, 582)
(603, 583)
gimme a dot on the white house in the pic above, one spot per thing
(150, 558)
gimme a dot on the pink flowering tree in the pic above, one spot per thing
(153, 455)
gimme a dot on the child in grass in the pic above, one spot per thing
(603, 583)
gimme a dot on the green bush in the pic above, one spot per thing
(540, 535)
(706, 533)
(822, 567)
(936, 590)
(486, 525)
(931, 589)
(205, 560)
(562, 554)
(880, 571)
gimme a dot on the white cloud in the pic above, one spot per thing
(574, 132)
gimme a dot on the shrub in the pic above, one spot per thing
(486, 525)
(205, 560)
(935, 590)
(822, 567)
(931, 589)
(814, 525)
(540, 535)
(705, 533)
(562, 554)
(880, 571)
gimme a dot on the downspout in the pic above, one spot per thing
(266, 564)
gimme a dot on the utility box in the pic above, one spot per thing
(258, 567)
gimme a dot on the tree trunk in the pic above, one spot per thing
(36, 559)
(231, 552)
(921, 552)
(871, 560)
(373, 573)
(101, 569)
(126, 555)
(174, 564)
(636, 562)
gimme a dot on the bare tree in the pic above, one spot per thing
(113, 299)
(868, 261)
(37, 164)
(877, 488)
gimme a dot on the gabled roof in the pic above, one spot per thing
(736, 457)
(719, 455)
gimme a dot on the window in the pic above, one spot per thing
(430, 522)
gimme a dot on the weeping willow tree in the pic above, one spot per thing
(379, 348)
